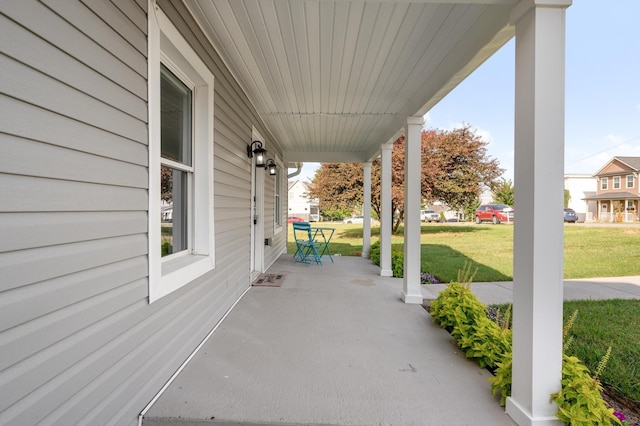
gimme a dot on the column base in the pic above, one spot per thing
(523, 418)
(386, 273)
(412, 298)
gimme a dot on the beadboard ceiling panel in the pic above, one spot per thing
(334, 79)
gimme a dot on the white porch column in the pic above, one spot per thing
(538, 235)
(366, 209)
(385, 210)
(411, 291)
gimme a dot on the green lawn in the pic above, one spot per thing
(598, 326)
(589, 251)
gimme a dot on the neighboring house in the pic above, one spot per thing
(617, 194)
(300, 204)
(581, 186)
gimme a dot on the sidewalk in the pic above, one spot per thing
(587, 288)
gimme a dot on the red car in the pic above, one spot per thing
(292, 219)
(494, 213)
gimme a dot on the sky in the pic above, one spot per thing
(602, 89)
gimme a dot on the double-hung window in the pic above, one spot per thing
(176, 162)
(604, 183)
(181, 246)
(616, 182)
(630, 181)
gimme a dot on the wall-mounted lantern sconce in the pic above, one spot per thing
(271, 166)
(259, 151)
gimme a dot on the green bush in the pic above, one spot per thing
(580, 401)
(397, 263)
(397, 259)
(460, 312)
(501, 381)
(374, 253)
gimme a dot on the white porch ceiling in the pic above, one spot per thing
(334, 79)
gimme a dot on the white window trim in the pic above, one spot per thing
(604, 183)
(633, 181)
(167, 45)
(617, 182)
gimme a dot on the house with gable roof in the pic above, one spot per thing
(617, 196)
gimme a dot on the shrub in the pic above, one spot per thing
(459, 311)
(397, 259)
(397, 263)
(374, 253)
(580, 400)
(501, 381)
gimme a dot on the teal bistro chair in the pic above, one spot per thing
(306, 247)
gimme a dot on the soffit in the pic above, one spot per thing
(334, 79)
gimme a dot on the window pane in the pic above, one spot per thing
(278, 204)
(173, 209)
(175, 132)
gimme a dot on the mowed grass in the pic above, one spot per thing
(601, 324)
(589, 251)
(598, 326)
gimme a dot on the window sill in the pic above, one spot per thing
(180, 271)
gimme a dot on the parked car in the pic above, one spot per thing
(292, 219)
(570, 215)
(354, 219)
(494, 213)
(429, 216)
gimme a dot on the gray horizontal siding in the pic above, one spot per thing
(31, 122)
(134, 10)
(23, 46)
(42, 22)
(25, 83)
(82, 343)
(18, 268)
(120, 20)
(103, 34)
(32, 158)
(38, 300)
(22, 231)
(62, 195)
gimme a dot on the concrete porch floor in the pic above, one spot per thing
(334, 345)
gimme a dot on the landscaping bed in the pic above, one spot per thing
(458, 311)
